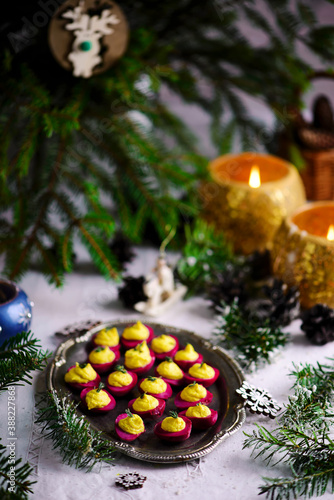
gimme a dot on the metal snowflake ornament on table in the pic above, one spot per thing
(258, 400)
(131, 480)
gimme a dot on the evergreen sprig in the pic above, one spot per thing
(79, 445)
(108, 151)
(19, 357)
(204, 254)
(303, 438)
(253, 341)
(22, 486)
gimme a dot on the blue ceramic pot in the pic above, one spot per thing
(15, 310)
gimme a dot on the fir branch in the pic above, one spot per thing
(320, 376)
(51, 265)
(205, 253)
(252, 340)
(22, 485)
(30, 240)
(120, 138)
(79, 444)
(302, 439)
(100, 252)
(19, 357)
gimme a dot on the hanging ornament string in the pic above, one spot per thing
(168, 239)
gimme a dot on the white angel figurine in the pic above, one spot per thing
(159, 287)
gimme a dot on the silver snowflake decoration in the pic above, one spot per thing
(77, 328)
(131, 480)
(24, 316)
(258, 400)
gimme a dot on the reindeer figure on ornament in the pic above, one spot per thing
(88, 31)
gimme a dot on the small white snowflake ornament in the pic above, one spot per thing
(258, 400)
(88, 36)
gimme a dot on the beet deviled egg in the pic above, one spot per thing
(191, 395)
(139, 359)
(136, 334)
(129, 426)
(200, 416)
(170, 372)
(97, 400)
(108, 338)
(155, 386)
(164, 345)
(102, 358)
(202, 373)
(187, 357)
(81, 376)
(173, 428)
(121, 381)
(147, 406)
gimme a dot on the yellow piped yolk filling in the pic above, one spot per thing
(132, 425)
(96, 399)
(119, 379)
(169, 369)
(156, 386)
(106, 337)
(136, 332)
(187, 354)
(171, 424)
(193, 392)
(201, 371)
(198, 411)
(145, 403)
(81, 375)
(164, 343)
(138, 356)
(100, 356)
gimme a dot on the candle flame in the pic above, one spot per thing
(330, 234)
(254, 177)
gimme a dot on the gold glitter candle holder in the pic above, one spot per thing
(250, 216)
(303, 253)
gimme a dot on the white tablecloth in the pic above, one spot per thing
(228, 472)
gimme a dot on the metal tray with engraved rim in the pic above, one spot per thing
(148, 447)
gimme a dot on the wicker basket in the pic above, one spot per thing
(318, 174)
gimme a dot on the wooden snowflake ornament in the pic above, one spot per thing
(258, 400)
(88, 36)
(131, 480)
(77, 329)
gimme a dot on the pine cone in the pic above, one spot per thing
(132, 291)
(228, 286)
(121, 248)
(318, 324)
(281, 305)
(259, 263)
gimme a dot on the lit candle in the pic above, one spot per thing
(303, 252)
(330, 234)
(249, 196)
(254, 177)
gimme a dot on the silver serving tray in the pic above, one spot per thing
(230, 406)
